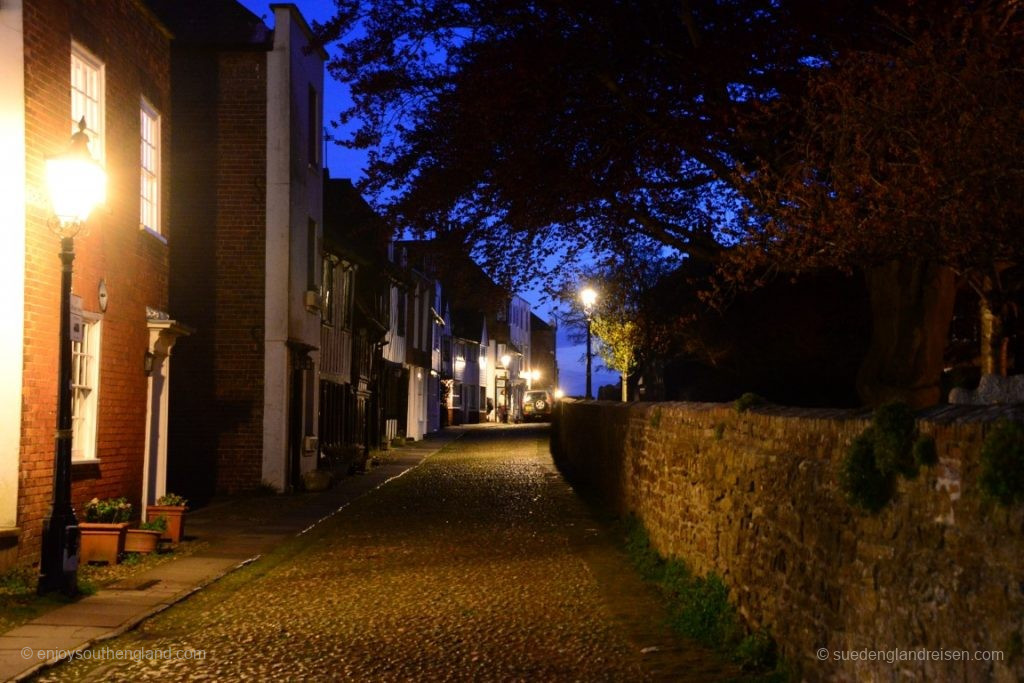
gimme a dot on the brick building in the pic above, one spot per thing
(246, 269)
(107, 61)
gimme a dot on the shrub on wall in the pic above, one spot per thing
(864, 483)
(1002, 463)
(889, 447)
(893, 429)
(747, 401)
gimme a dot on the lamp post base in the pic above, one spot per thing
(58, 565)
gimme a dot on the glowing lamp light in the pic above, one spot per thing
(76, 183)
(535, 375)
(559, 394)
(589, 297)
(506, 360)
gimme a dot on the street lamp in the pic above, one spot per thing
(76, 185)
(589, 298)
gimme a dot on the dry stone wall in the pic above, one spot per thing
(754, 497)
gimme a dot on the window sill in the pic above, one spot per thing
(85, 461)
(153, 233)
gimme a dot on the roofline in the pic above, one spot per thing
(303, 24)
(161, 26)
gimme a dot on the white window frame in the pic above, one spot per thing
(88, 98)
(328, 289)
(85, 390)
(149, 220)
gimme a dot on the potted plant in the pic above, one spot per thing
(172, 508)
(103, 529)
(146, 538)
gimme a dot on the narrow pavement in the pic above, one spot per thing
(481, 565)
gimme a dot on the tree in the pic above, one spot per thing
(905, 159)
(560, 128)
(624, 332)
(618, 343)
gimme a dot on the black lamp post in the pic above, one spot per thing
(589, 297)
(76, 184)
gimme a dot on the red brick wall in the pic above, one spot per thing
(134, 264)
(218, 264)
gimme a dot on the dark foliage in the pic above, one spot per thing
(1002, 463)
(546, 129)
(860, 478)
(893, 430)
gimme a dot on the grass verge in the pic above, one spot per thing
(19, 603)
(699, 608)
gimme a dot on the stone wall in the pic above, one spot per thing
(753, 497)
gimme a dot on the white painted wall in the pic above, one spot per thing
(12, 251)
(294, 197)
(416, 418)
(394, 350)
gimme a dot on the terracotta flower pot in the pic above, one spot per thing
(101, 541)
(175, 516)
(141, 540)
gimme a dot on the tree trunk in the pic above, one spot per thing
(625, 387)
(911, 309)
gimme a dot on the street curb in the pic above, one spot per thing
(134, 622)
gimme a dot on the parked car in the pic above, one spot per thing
(537, 406)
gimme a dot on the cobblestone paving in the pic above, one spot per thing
(471, 567)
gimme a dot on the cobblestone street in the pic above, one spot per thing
(480, 564)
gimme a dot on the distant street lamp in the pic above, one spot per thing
(76, 184)
(589, 298)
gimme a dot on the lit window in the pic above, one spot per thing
(149, 180)
(87, 84)
(85, 361)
